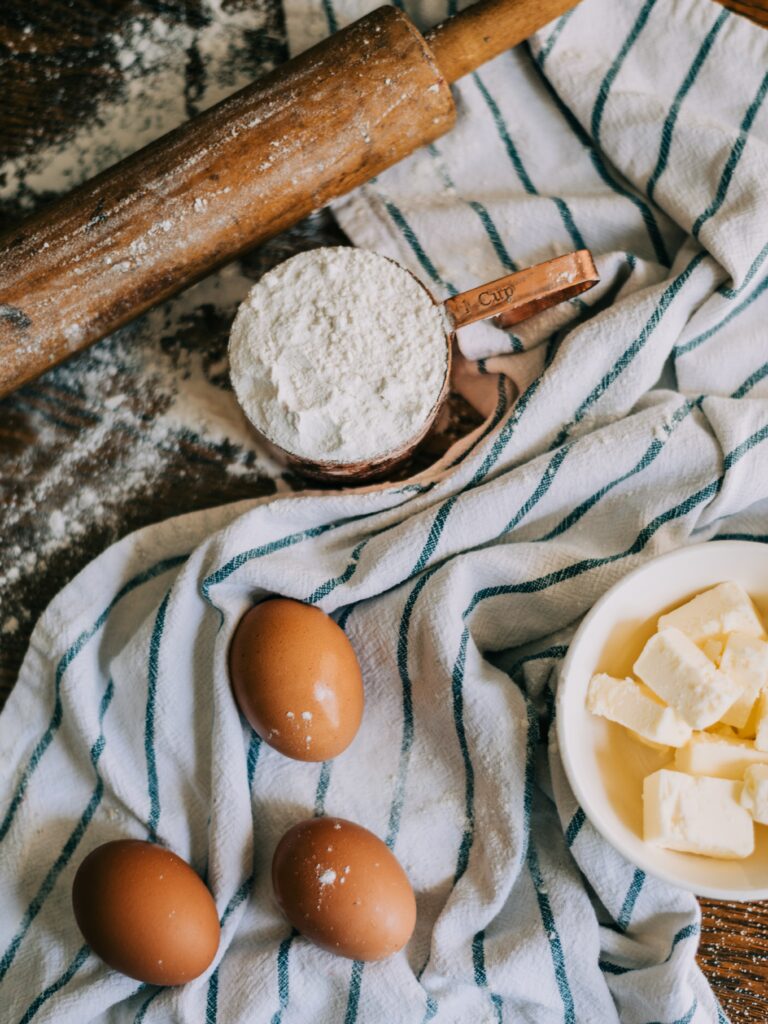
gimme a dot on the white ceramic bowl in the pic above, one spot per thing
(604, 764)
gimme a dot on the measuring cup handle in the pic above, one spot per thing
(517, 296)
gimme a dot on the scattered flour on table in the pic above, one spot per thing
(153, 399)
(152, 56)
(136, 400)
(338, 355)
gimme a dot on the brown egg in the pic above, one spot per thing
(340, 886)
(145, 912)
(296, 679)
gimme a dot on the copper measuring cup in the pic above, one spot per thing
(509, 300)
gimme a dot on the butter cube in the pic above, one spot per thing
(696, 815)
(721, 756)
(745, 659)
(638, 708)
(754, 795)
(726, 608)
(682, 675)
(761, 722)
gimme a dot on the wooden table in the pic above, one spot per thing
(60, 63)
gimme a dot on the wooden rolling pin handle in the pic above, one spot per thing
(484, 30)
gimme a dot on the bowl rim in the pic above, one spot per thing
(645, 863)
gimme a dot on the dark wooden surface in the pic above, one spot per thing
(61, 438)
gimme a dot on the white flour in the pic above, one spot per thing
(338, 355)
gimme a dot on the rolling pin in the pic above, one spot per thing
(246, 169)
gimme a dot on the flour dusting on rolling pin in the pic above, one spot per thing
(239, 173)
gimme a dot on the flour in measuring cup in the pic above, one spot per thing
(338, 355)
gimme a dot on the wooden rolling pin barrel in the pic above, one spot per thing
(241, 172)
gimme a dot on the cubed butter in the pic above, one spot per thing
(635, 706)
(683, 676)
(754, 794)
(696, 815)
(745, 659)
(726, 608)
(761, 722)
(721, 756)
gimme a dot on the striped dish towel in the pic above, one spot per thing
(639, 130)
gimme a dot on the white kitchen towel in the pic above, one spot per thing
(638, 129)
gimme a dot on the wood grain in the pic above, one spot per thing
(247, 168)
(734, 956)
(755, 10)
(57, 64)
(229, 178)
(482, 31)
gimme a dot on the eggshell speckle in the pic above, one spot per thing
(341, 887)
(145, 912)
(296, 679)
